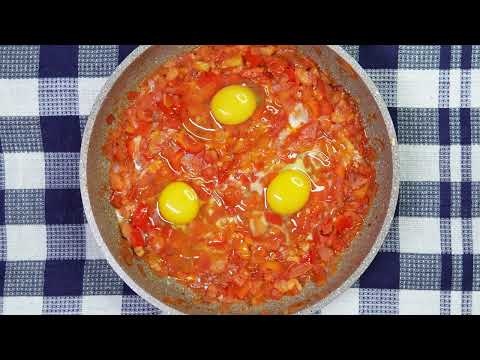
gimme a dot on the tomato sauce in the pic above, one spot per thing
(237, 249)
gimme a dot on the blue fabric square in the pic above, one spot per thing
(466, 57)
(445, 57)
(386, 82)
(392, 240)
(475, 200)
(124, 51)
(419, 57)
(127, 290)
(63, 206)
(2, 169)
(383, 273)
(20, 133)
(465, 127)
(467, 272)
(419, 199)
(446, 283)
(62, 305)
(100, 279)
(420, 271)
(2, 276)
(378, 56)
(58, 61)
(444, 126)
(24, 278)
(135, 305)
(61, 133)
(24, 206)
(61, 170)
(19, 61)
(378, 301)
(58, 96)
(3, 243)
(393, 115)
(445, 199)
(66, 242)
(97, 60)
(63, 278)
(2, 207)
(417, 126)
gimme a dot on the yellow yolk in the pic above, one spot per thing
(178, 203)
(233, 104)
(288, 192)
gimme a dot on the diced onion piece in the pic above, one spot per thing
(139, 251)
(304, 76)
(172, 74)
(298, 117)
(361, 192)
(126, 230)
(234, 61)
(258, 225)
(267, 50)
(201, 66)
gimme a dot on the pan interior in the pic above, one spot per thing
(164, 290)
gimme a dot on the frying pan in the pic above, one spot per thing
(165, 293)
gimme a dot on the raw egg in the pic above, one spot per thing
(233, 104)
(288, 192)
(178, 203)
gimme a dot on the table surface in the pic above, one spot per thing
(429, 263)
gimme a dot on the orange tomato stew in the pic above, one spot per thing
(237, 248)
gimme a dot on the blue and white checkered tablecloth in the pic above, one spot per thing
(429, 263)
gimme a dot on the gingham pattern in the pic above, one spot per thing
(429, 263)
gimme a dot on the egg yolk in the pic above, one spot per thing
(178, 203)
(233, 104)
(288, 192)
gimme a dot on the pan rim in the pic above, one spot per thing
(166, 309)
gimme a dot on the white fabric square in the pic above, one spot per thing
(419, 302)
(19, 97)
(345, 304)
(417, 88)
(419, 235)
(476, 235)
(456, 302)
(454, 88)
(24, 170)
(419, 162)
(88, 89)
(456, 236)
(102, 305)
(475, 302)
(26, 242)
(455, 162)
(475, 88)
(475, 162)
(22, 305)
(93, 251)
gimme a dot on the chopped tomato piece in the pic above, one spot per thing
(232, 196)
(273, 218)
(253, 60)
(211, 156)
(141, 219)
(324, 108)
(136, 238)
(299, 270)
(110, 118)
(132, 95)
(188, 144)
